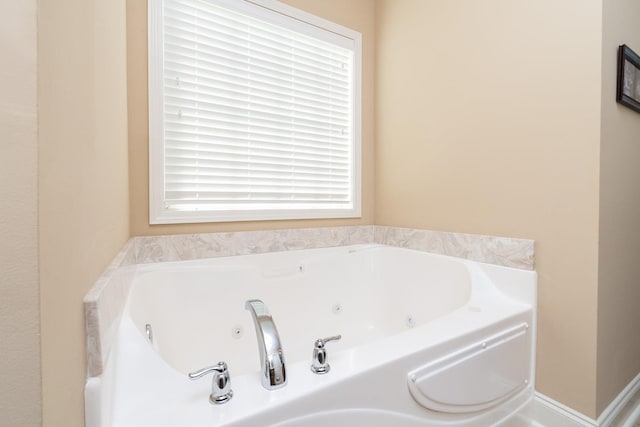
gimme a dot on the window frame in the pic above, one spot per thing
(158, 213)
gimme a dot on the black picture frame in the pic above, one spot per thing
(628, 90)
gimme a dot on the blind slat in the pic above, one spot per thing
(237, 25)
(243, 53)
(252, 79)
(255, 114)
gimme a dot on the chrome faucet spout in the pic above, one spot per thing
(272, 363)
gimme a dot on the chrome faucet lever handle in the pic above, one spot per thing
(323, 341)
(220, 386)
(319, 364)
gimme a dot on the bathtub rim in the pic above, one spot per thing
(406, 343)
(104, 302)
(473, 270)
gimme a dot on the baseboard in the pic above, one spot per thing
(634, 418)
(620, 403)
(551, 413)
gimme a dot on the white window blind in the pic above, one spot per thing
(259, 115)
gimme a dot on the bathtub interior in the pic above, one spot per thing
(364, 292)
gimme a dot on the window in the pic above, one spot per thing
(254, 113)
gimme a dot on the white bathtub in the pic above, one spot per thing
(427, 340)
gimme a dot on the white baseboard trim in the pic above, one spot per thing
(619, 403)
(551, 413)
(634, 418)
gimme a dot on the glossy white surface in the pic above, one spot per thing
(399, 310)
(476, 377)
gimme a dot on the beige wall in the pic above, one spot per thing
(488, 121)
(356, 14)
(83, 179)
(618, 284)
(20, 402)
